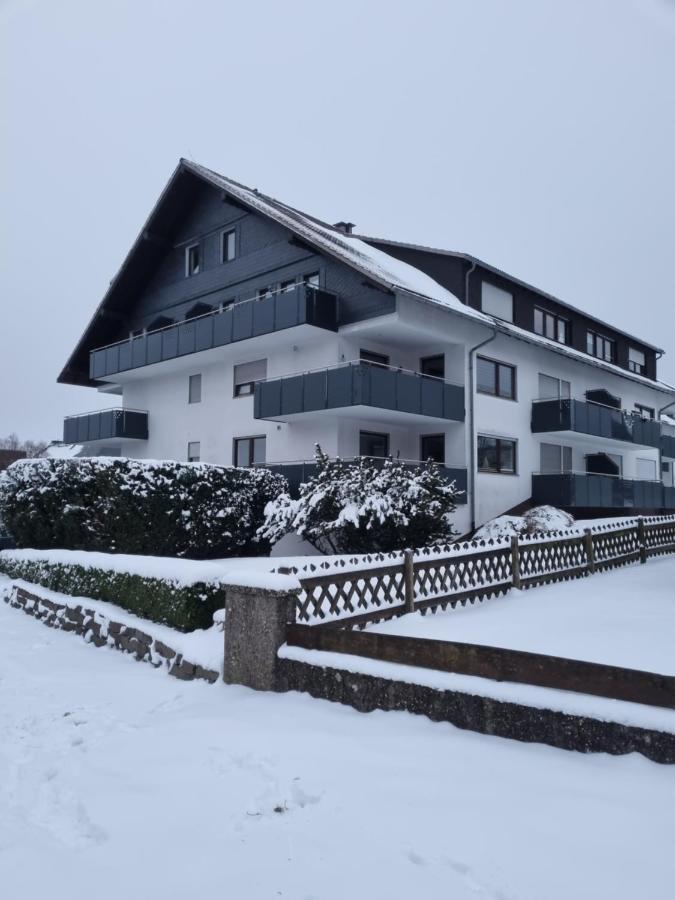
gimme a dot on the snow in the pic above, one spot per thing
(607, 710)
(539, 520)
(202, 647)
(117, 781)
(625, 617)
(253, 572)
(393, 272)
(63, 451)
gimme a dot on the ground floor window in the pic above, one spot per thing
(432, 446)
(372, 443)
(249, 450)
(433, 365)
(645, 469)
(496, 455)
(375, 359)
(555, 458)
(194, 451)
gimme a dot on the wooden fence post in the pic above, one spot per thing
(642, 541)
(590, 551)
(408, 581)
(515, 561)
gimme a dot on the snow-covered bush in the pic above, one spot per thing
(180, 603)
(159, 508)
(539, 520)
(366, 506)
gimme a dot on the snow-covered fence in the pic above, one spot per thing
(366, 589)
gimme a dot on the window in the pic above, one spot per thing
(496, 455)
(225, 305)
(555, 458)
(312, 280)
(496, 302)
(199, 309)
(646, 412)
(432, 446)
(498, 379)
(373, 444)
(636, 361)
(194, 450)
(192, 260)
(249, 450)
(645, 469)
(551, 388)
(264, 293)
(551, 326)
(433, 365)
(246, 375)
(375, 359)
(137, 332)
(195, 389)
(287, 286)
(667, 473)
(229, 245)
(602, 347)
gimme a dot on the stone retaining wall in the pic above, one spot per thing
(482, 714)
(102, 631)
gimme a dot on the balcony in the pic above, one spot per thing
(668, 445)
(586, 490)
(304, 305)
(131, 424)
(296, 473)
(371, 391)
(584, 417)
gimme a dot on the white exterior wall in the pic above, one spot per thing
(415, 331)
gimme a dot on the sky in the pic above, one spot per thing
(538, 135)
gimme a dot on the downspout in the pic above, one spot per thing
(472, 430)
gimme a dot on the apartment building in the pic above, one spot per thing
(242, 331)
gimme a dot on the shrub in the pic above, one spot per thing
(180, 604)
(122, 505)
(366, 506)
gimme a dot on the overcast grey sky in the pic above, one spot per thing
(536, 134)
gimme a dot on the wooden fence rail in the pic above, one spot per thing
(381, 587)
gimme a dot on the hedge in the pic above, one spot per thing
(157, 508)
(168, 601)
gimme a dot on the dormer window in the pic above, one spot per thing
(551, 326)
(496, 302)
(636, 361)
(229, 245)
(602, 347)
(193, 260)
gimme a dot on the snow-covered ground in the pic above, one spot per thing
(117, 781)
(625, 617)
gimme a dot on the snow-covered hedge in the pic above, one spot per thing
(539, 520)
(366, 506)
(159, 508)
(185, 598)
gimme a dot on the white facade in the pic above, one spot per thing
(415, 331)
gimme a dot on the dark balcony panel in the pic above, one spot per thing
(321, 308)
(267, 403)
(153, 350)
(139, 351)
(187, 335)
(586, 490)
(169, 343)
(590, 418)
(222, 327)
(204, 333)
(668, 445)
(106, 424)
(290, 309)
(363, 384)
(124, 356)
(242, 324)
(668, 497)
(263, 315)
(112, 359)
(97, 364)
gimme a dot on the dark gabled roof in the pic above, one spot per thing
(530, 287)
(374, 264)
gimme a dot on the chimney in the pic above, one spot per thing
(344, 227)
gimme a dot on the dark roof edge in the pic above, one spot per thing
(525, 284)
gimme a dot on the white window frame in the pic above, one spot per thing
(246, 388)
(565, 450)
(188, 268)
(560, 382)
(195, 388)
(191, 456)
(224, 235)
(492, 298)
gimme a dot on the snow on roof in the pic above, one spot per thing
(389, 271)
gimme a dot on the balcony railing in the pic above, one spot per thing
(303, 305)
(359, 384)
(585, 417)
(588, 489)
(105, 424)
(299, 471)
(668, 445)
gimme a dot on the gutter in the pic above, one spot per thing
(471, 473)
